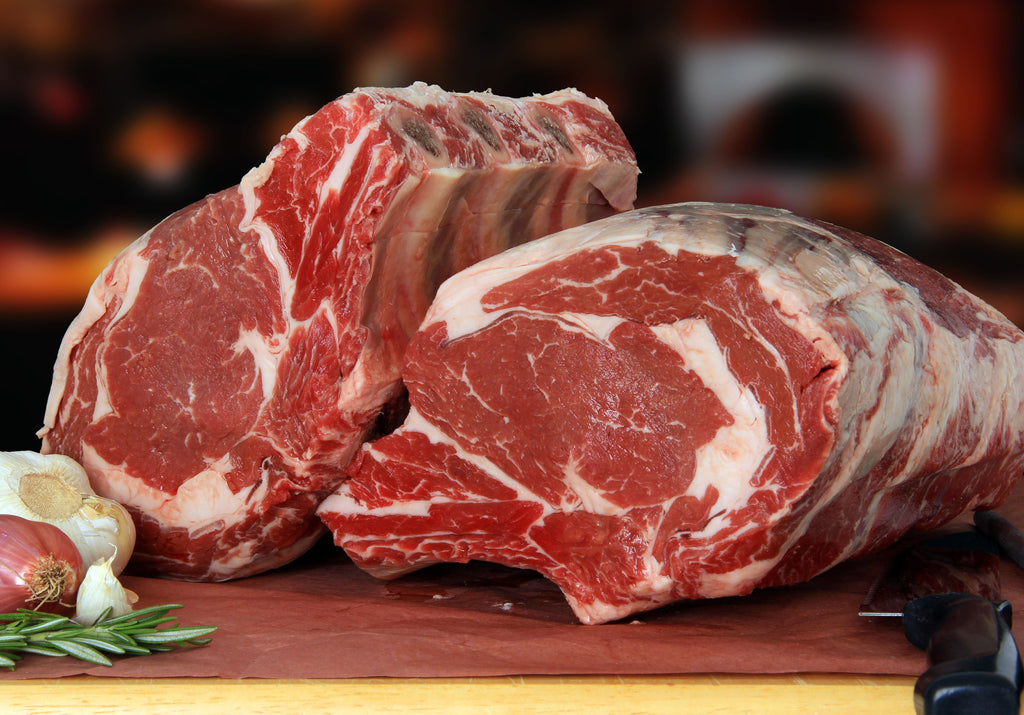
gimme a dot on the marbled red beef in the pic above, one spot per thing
(227, 365)
(685, 402)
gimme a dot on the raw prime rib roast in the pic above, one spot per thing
(227, 365)
(687, 402)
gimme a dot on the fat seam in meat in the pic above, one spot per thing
(687, 402)
(227, 364)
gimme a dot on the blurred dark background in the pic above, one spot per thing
(900, 118)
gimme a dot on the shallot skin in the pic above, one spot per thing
(40, 567)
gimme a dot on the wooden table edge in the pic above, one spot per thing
(794, 693)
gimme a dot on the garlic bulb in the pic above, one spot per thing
(55, 489)
(99, 591)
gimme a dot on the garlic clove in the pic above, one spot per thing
(101, 590)
(102, 529)
(55, 489)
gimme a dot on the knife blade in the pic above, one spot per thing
(946, 590)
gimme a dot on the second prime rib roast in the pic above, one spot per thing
(227, 365)
(685, 402)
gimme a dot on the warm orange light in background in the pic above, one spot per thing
(36, 278)
(160, 144)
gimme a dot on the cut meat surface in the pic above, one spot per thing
(686, 402)
(227, 365)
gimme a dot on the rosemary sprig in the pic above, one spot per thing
(136, 633)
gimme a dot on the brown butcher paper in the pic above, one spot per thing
(321, 617)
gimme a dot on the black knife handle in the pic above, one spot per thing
(975, 666)
(1002, 530)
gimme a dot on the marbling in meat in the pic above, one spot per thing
(227, 365)
(687, 402)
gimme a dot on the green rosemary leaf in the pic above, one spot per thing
(21, 614)
(146, 625)
(38, 649)
(10, 639)
(158, 611)
(58, 633)
(168, 635)
(44, 624)
(137, 650)
(100, 644)
(81, 651)
(114, 636)
(9, 660)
